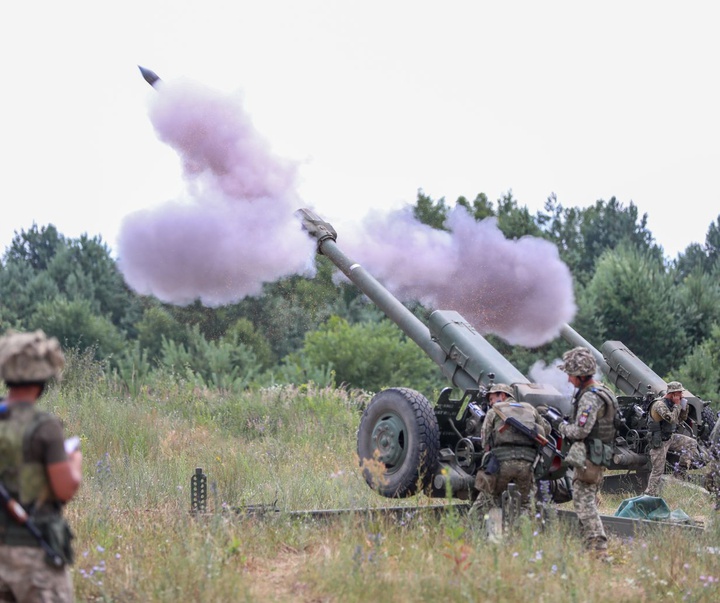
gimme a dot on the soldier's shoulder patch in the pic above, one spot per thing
(582, 419)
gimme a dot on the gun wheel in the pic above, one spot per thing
(709, 418)
(398, 443)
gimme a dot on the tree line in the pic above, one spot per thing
(667, 311)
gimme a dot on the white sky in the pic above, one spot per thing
(376, 99)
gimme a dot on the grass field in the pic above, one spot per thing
(137, 541)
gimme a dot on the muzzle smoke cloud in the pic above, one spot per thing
(235, 230)
(517, 289)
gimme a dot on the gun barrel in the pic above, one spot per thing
(575, 339)
(619, 365)
(629, 373)
(463, 355)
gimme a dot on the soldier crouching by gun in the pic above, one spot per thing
(37, 475)
(595, 416)
(510, 455)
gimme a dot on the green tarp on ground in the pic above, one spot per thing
(650, 507)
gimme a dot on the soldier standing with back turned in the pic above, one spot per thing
(36, 471)
(593, 422)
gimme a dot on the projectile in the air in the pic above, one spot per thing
(150, 76)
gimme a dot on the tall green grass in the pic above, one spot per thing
(137, 541)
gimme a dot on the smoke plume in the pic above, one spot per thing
(550, 374)
(518, 289)
(235, 228)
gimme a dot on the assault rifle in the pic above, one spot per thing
(547, 447)
(18, 513)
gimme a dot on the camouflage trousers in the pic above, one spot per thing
(657, 459)
(687, 449)
(26, 577)
(585, 505)
(491, 487)
(712, 481)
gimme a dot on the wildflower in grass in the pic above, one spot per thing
(554, 569)
(709, 580)
(515, 554)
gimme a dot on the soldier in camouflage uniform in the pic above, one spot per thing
(515, 453)
(712, 475)
(593, 421)
(689, 452)
(666, 413)
(36, 470)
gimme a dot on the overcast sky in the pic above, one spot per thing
(375, 100)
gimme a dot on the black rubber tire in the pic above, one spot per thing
(709, 418)
(399, 429)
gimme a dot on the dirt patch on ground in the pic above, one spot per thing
(282, 578)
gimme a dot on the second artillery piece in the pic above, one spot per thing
(406, 444)
(640, 385)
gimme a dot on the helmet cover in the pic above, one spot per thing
(501, 387)
(578, 362)
(29, 357)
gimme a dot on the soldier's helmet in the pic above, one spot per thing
(501, 387)
(578, 362)
(29, 358)
(674, 386)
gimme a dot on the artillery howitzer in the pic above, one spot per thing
(415, 446)
(640, 386)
